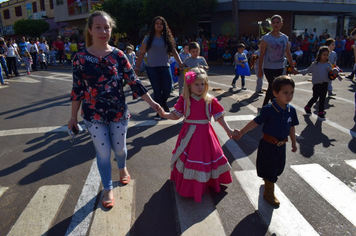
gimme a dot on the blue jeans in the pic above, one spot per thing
(107, 137)
(4, 65)
(161, 81)
(1, 78)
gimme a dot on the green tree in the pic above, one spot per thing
(32, 28)
(178, 13)
(127, 15)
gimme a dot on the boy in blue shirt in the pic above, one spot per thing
(278, 119)
(226, 58)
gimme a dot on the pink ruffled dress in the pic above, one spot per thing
(198, 161)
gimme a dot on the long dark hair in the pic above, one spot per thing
(166, 33)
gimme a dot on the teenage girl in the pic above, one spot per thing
(274, 46)
(98, 72)
(158, 45)
(320, 80)
(198, 162)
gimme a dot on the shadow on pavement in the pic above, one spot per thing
(311, 136)
(156, 214)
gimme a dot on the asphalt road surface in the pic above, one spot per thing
(51, 186)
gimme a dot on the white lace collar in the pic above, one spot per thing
(196, 97)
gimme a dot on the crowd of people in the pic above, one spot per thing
(35, 54)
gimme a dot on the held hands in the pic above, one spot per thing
(155, 106)
(161, 112)
(235, 134)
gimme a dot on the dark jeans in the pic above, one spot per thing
(242, 80)
(271, 160)
(43, 64)
(12, 65)
(60, 56)
(271, 74)
(161, 81)
(319, 92)
(34, 61)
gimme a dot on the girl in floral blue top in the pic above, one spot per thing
(98, 72)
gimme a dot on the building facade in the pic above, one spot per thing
(14, 10)
(240, 17)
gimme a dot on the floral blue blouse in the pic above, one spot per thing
(98, 82)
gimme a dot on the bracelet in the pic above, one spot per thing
(73, 118)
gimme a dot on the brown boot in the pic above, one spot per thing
(268, 194)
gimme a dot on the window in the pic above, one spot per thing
(6, 14)
(59, 2)
(18, 11)
(42, 5)
(51, 4)
(34, 7)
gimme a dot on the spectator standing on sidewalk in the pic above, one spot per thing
(59, 47)
(12, 56)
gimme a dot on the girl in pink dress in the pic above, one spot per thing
(198, 161)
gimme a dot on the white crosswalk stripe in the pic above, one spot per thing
(351, 163)
(286, 220)
(2, 190)
(116, 221)
(333, 190)
(38, 215)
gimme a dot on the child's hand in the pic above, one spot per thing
(294, 147)
(237, 134)
(161, 112)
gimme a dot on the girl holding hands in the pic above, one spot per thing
(198, 161)
(98, 74)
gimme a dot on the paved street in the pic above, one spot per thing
(50, 186)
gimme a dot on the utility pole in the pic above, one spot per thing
(235, 16)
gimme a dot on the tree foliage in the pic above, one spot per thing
(131, 15)
(178, 13)
(32, 28)
(127, 15)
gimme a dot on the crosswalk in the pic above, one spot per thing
(194, 219)
(41, 211)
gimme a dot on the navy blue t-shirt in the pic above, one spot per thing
(277, 121)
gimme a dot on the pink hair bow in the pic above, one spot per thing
(190, 77)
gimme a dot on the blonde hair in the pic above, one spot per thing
(201, 74)
(89, 25)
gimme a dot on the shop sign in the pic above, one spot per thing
(8, 30)
(39, 15)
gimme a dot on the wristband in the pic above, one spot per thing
(73, 118)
